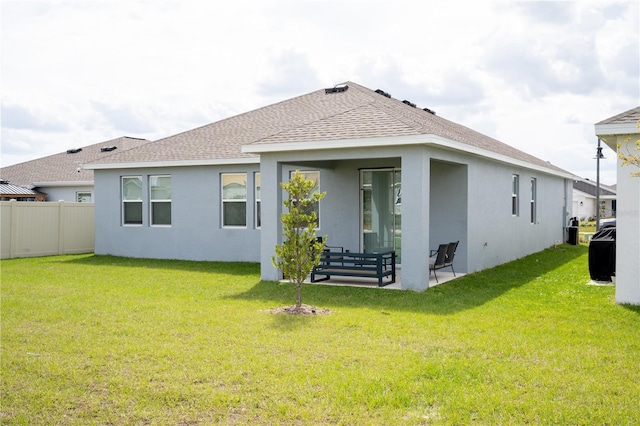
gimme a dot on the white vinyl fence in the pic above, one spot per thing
(47, 228)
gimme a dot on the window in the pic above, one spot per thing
(257, 198)
(234, 199)
(314, 176)
(132, 200)
(84, 197)
(534, 189)
(515, 190)
(160, 197)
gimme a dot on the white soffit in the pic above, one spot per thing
(617, 129)
(426, 139)
(183, 163)
(68, 183)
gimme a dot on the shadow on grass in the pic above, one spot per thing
(458, 295)
(228, 268)
(632, 308)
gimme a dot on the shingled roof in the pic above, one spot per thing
(9, 191)
(631, 116)
(323, 115)
(65, 166)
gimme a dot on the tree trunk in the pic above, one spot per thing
(298, 295)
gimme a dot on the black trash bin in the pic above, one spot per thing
(573, 231)
(573, 235)
(602, 255)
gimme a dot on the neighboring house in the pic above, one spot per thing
(623, 129)
(59, 176)
(396, 176)
(10, 192)
(584, 200)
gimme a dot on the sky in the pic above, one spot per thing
(536, 75)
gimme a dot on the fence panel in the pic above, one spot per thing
(43, 229)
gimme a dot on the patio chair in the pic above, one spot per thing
(437, 259)
(451, 253)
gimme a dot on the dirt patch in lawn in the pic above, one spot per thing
(302, 310)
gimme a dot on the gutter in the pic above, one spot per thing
(178, 163)
(423, 139)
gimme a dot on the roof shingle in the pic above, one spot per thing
(64, 167)
(355, 113)
(631, 116)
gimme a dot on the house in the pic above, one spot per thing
(584, 200)
(622, 131)
(10, 192)
(59, 176)
(396, 177)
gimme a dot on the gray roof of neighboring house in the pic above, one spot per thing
(63, 167)
(10, 189)
(355, 113)
(631, 116)
(589, 187)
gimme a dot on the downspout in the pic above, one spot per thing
(598, 156)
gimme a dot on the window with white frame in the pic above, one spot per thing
(515, 191)
(160, 199)
(534, 189)
(257, 198)
(132, 200)
(314, 176)
(234, 199)
(84, 197)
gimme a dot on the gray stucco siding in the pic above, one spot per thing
(64, 193)
(495, 235)
(196, 231)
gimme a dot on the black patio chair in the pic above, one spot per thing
(451, 253)
(437, 259)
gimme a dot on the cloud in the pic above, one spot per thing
(289, 74)
(15, 116)
(128, 119)
(545, 12)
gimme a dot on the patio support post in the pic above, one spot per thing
(415, 219)
(271, 209)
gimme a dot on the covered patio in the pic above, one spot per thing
(444, 276)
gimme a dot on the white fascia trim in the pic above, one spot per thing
(426, 139)
(337, 143)
(62, 183)
(616, 129)
(459, 146)
(182, 163)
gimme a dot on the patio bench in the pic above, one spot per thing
(362, 265)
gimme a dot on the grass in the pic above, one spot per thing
(104, 340)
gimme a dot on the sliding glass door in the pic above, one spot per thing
(381, 210)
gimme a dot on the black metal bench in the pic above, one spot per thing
(363, 265)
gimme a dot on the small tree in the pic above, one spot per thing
(300, 251)
(630, 157)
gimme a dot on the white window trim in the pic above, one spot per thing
(232, 200)
(534, 201)
(123, 201)
(152, 201)
(84, 192)
(257, 200)
(515, 195)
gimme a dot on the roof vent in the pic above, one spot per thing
(4, 181)
(74, 150)
(430, 111)
(411, 104)
(338, 88)
(108, 148)
(383, 93)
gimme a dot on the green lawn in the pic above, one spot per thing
(105, 340)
